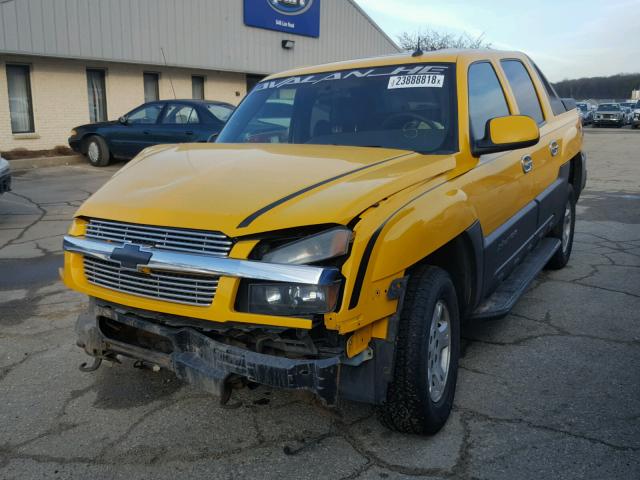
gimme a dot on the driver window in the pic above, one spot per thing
(486, 98)
(273, 120)
(145, 115)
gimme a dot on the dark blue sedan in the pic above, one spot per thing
(165, 121)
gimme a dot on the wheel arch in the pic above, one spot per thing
(578, 173)
(462, 258)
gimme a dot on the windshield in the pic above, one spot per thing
(408, 107)
(607, 107)
(582, 106)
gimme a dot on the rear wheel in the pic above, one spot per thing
(564, 232)
(421, 394)
(98, 151)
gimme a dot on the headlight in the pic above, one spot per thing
(322, 246)
(292, 299)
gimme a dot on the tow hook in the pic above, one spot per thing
(142, 365)
(84, 367)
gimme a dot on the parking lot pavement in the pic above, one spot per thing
(551, 391)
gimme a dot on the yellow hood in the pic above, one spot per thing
(243, 189)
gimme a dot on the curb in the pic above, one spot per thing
(28, 163)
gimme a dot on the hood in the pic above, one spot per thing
(91, 126)
(244, 189)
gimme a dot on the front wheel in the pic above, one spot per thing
(420, 397)
(98, 151)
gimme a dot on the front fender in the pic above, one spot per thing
(419, 229)
(390, 239)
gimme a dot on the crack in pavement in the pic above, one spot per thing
(527, 423)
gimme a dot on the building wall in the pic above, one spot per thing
(207, 34)
(60, 102)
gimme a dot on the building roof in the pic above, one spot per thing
(198, 34)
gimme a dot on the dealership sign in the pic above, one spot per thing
(300, 17)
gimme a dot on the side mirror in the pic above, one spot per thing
(507, 133)
(123, 120)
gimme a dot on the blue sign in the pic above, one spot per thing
(299, 17)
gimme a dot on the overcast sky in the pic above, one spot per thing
(566, 38)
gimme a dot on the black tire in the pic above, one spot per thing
(97, 151)
(561, 257)
(410, 407)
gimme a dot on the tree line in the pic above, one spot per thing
(613, 87)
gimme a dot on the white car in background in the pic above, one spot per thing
(5, 176)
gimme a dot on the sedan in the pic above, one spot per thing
(153, 123)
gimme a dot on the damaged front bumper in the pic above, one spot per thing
(198, 359)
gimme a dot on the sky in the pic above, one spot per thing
(566, 38)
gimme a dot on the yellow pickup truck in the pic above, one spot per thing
(349, 217)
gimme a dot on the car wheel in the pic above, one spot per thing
(564, 232)
(420, 397)
(97, 151)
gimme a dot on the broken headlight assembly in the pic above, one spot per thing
(292, 299)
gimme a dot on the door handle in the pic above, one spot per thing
(188, 133)
(554, 148)
(146, 132)
(527, 163)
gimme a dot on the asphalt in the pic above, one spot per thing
(551, 391)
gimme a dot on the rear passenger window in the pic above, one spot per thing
(523, 89)
(486, 98)
(556, 104)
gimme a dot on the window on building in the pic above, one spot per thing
(556, 104)
(252, 81)
(523, 89)
(486, 98)
(197, 87)
(20, 104)
(97, 95)
(151, 87)
(177, 114)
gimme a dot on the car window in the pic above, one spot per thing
(604, 107)
(180, 115)
(145, 115)
(221, 112)
(557, 107)
(523, 89)
(486, 98)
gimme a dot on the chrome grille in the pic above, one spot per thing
(164, 238)
(172, 287)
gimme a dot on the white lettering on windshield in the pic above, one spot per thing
(374, 72)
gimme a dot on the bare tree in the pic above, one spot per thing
(429, 40)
